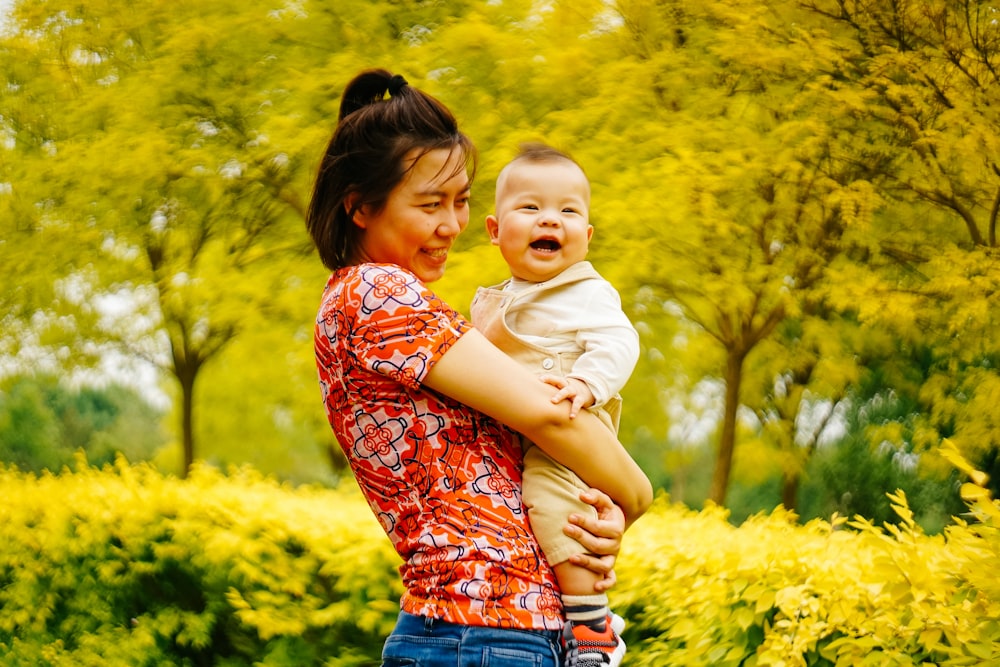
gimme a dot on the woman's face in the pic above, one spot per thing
(422, 217)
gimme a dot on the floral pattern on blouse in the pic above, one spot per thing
(443, 480)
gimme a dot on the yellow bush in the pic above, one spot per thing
(126, 566)
(699, 591)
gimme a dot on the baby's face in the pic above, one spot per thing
(542, 221)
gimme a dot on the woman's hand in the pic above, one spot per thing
(600, 535)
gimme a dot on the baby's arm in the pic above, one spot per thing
(609, 343)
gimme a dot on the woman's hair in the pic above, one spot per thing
(365, 159)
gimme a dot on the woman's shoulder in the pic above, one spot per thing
(378, 287)
(384, 276)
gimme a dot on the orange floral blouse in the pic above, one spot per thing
(443, 479)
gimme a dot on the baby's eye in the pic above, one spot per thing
(529, 207)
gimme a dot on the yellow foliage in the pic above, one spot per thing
(126, 562)
(126, 566)
(771, 592)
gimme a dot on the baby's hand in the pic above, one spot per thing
(573, 389)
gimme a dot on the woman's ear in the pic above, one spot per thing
(358, 215)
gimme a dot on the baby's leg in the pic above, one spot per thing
(551, 493)
(593, 634)
(581, 602)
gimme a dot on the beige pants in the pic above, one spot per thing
(551, 493)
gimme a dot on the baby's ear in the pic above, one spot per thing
(493, 228)
(590, 232)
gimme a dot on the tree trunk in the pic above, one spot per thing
(187, 420)
(790, 490)
(186, 367)
(727, 442)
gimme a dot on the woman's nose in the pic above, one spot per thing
(451, 222)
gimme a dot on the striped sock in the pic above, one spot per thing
(589, 610)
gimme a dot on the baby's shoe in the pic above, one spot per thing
(588, 648)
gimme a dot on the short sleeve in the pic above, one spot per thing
(400, 327)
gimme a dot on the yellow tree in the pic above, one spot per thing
(744, 169)
(804, 378)
(742, 199)
(927, 74)
(161, 153)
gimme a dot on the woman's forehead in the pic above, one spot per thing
(436, 168)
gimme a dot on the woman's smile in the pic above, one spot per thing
(422, 216)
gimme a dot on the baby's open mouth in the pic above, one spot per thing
(549, 245)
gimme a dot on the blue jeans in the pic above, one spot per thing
(417, 641)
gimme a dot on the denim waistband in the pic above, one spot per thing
(428, 625)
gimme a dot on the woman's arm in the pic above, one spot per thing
(479, 375)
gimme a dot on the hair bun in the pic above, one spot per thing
(396, 84)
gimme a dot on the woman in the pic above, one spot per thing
(425, 408)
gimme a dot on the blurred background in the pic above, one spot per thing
(798, 202)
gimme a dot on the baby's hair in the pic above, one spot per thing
(536, 151)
